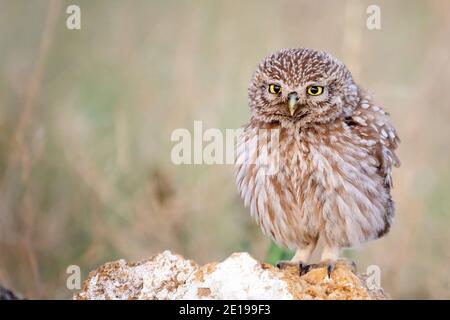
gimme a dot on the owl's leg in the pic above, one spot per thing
(299, 259)
(330, 253)
(330, 258)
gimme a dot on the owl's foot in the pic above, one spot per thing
(302, 267)
(330, 265)
(283, 264)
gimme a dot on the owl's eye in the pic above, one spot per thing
(274, 88)
(314, 90)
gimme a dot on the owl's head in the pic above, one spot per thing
(301, 86)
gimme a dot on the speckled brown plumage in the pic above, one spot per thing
(311, 167)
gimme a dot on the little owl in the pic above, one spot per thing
(332, 149)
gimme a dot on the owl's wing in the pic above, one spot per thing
(372, 125)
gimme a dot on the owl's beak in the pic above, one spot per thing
(292, 102)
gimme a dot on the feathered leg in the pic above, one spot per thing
(300, 258)
(329, 259)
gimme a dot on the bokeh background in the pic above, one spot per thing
(86, 117)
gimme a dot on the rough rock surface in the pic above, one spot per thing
(170, 276)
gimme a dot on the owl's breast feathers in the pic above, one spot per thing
(330, 180)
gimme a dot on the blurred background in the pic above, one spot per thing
(86, 118)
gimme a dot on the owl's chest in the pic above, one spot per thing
(314, 162)
(301, 182)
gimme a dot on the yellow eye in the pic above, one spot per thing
(314, 90)
(274, 88)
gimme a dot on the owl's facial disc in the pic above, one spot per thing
(301, 86)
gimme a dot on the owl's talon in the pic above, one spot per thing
(330, 268)
(329, 265)
(283, 264)
(303, 268)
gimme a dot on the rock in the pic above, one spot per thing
(170, 276)
(7, 294)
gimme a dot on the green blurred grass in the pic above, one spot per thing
(276, 254)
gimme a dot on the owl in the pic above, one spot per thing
(315, 160)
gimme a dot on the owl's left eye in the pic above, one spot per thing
(314, 90)
(274, 88)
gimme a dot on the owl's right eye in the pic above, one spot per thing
(274, 88)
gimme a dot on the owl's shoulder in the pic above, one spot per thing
(371, 122)
(370, 118)
(371, 126)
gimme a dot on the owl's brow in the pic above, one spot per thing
(289, 76)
